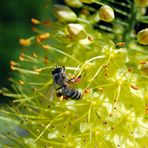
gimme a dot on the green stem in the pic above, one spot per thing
(131, 21)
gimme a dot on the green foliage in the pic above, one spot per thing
(113, 112)
(15, 23)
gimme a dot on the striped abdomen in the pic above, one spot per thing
(68, 92)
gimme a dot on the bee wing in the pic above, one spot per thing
(51, 91)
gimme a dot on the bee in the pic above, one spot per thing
(64, 90)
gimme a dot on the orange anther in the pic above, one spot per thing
(87, 90)
(46, 46)
(42, 37)
(21, 57)
(12, 63)
(46, 22)
(142, 62)
(21, 82)
(35, 21)
(134, 87)
(25, 42)
(90, 38)
(120, 44)
(130, 70)
(101, 89)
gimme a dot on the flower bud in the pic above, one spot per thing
(76, 31)
(64, 13)
(141, 3)
(142, 36)
(87, 1)
(106, 13)
(74, 3)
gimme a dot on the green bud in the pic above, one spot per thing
(141, 3)
(142, 36)
(106, 13)
(74, 3)
(76, 31)
(64, 13)
(87, 1)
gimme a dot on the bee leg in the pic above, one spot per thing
(61, 98)
(59, 94)
(73, 79)
(58, 88)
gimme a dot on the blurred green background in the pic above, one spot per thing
(15, 16)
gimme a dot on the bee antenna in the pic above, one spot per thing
(53, 67)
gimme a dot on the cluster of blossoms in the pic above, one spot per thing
(114, 111)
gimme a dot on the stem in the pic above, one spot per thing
(131, 21)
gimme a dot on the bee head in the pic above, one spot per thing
(58, 70)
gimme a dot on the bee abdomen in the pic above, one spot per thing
(77, 95)
(71, 93)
